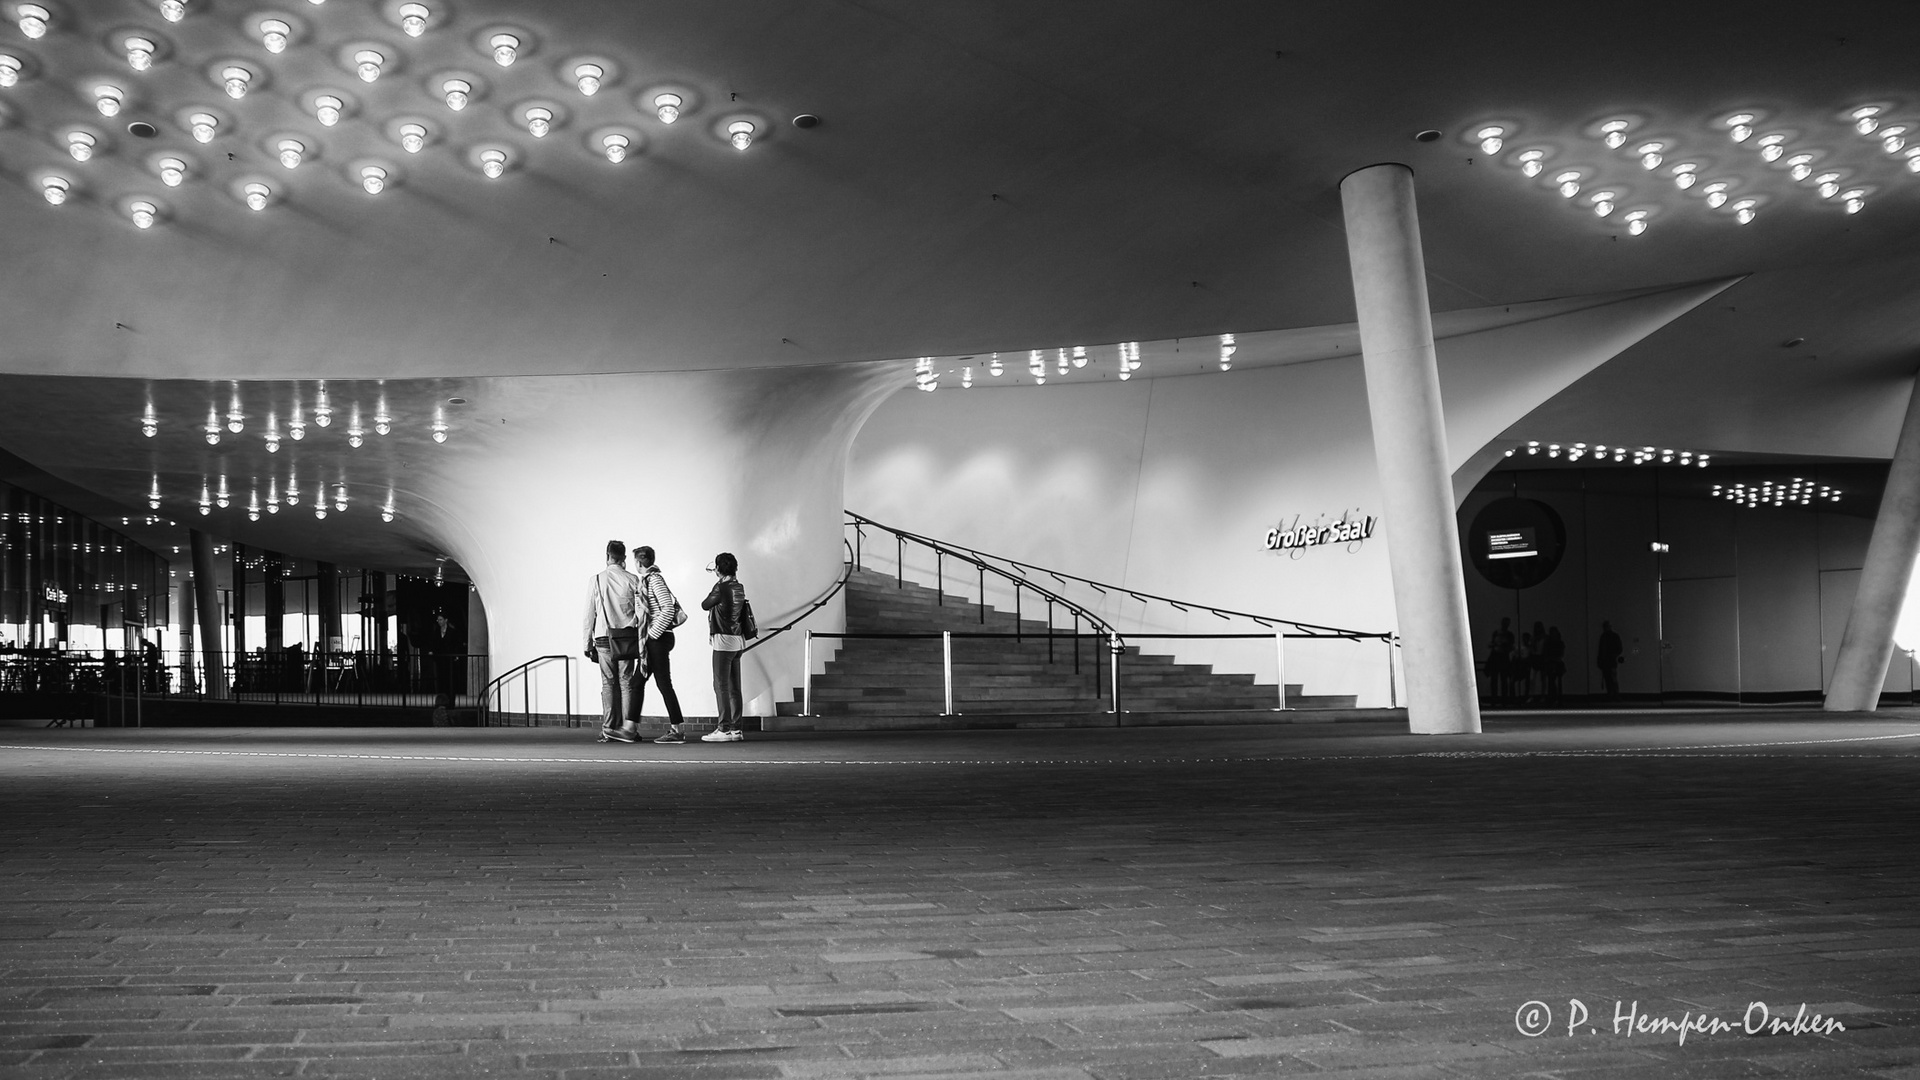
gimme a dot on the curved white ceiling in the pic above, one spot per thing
(993, 175)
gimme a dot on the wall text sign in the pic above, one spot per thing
(1294, 538)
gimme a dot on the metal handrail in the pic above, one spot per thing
(978, 561)
(846, 573)
(976, 557)
(523, 670)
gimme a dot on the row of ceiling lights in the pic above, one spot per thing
(1768, 493)
(217, 493)
(1065, 361)
(235, 421)
(1637, 455)
(328, 107)
(1801, 166)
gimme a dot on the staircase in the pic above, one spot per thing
(1001, 682)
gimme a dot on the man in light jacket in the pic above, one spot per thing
(616, 600)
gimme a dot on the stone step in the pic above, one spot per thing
(901, 681)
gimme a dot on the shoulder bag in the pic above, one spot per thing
(623, 641)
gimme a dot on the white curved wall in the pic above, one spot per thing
(751, 462)
(1169, 486)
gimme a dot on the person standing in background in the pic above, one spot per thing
(1608, 658)
(727, 637)
(1499, 661)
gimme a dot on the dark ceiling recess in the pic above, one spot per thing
(1793, 343)
(1429, 135)
(806, 120)
(140, 129)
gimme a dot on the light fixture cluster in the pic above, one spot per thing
(1064, 361)
(1601, 452)
(216, 493)
(1663, 160)
(234, 421)
(369, 62)
(1797, 492)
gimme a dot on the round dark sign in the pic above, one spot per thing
(1516, 543)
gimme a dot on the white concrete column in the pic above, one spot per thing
(1410, 448)
(1861, 668)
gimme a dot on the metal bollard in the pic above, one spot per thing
(946, 648)
(1280, 655)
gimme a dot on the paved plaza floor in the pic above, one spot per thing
(1646, 895)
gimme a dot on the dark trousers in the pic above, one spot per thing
(726, 689)
(1610, 679)
(660, 670)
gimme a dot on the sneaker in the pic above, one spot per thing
(735, 736)
(716, 735)
(671, 737)
(622, 735)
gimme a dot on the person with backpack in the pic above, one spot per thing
(664, 613)
(729, 628)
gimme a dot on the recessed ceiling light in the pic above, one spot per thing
(1429, 135)
(33, 20)
(806, 120)
(140, 129)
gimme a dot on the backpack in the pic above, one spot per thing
(748, 628)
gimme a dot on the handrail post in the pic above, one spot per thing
(1114, 646)
(859, 534)
(983, 592)
(1280, 664)
(1049, 629)
(939, 578)
(1076, 641)
(806, 692)
(946, 648)
(566, 672)
(1016, 610)
(1393, 690)
(899, 561)
(1098, 690)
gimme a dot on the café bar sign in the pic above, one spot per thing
(1351, 529)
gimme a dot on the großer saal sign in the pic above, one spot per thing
(1351, 529)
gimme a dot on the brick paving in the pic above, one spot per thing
(1068, 905)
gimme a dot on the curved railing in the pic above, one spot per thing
(1016, 571)
(980, 561)
(846, 572)
(498, 689)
